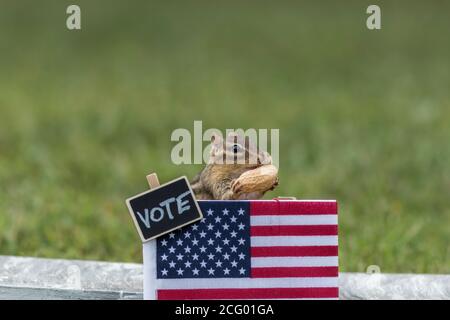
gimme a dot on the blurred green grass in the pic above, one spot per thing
(363, 117)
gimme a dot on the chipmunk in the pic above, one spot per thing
(229, 159)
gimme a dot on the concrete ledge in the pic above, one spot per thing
(357, 286)
(35, 278)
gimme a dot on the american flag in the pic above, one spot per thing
(264, 249)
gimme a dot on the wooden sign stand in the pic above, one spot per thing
(153, 180)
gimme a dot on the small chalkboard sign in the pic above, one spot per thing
(164, 209)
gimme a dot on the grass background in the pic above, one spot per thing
(363, 117)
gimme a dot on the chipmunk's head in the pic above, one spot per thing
(237, 150)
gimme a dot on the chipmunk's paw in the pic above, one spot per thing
(237, 187)
(275, 184)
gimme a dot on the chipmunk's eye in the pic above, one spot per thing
(236, 148)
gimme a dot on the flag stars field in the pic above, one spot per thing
(210, 248)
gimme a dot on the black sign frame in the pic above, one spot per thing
(155, 190)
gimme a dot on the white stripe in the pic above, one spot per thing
(273, 220)
(295, 262)
(271, 241)
(235, 283)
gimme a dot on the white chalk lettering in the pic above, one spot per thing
(145, 220)
(157, 213)
(167, 203)
(183, 205)
(161, 214)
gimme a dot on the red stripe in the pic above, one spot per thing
(285, 207)
(308, 230)
(290, 272)
(253, 293)
(304, 251)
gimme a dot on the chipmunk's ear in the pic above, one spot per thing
(216, 146)
(216, 139)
